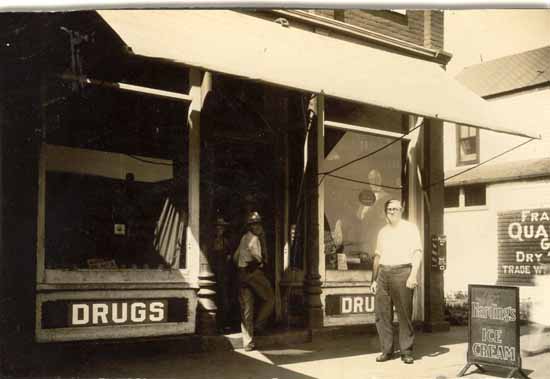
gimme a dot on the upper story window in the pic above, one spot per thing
(473, 195)
(467, 143)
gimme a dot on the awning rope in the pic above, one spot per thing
(372, 152)
(425, 188)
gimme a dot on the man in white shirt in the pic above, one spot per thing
(249, 258)
(397, 260)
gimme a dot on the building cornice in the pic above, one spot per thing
(369, 36)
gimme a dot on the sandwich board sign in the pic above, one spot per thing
(493, 328)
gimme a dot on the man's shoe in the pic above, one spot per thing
(407, 358)
(383, 357)
(251, 346)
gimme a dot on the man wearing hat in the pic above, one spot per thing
(253, 284)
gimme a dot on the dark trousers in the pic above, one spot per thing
(254, 285)
(392, 290)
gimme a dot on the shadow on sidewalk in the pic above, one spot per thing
(331, 347)
(152, 362)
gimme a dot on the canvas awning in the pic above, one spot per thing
(239, 44)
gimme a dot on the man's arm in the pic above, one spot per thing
(375, 268)
(412, 281)
(255, 249)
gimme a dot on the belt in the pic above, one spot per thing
(250, 268)
(396, 266)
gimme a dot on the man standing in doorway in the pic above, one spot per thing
(253, 284)
(396, 263)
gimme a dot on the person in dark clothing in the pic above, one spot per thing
(220, 260)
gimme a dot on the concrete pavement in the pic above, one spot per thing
(439, 355)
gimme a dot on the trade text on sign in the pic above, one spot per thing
(121, 312)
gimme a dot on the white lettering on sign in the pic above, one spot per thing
(493, 312)
(125, 312)
(80, 314)
(528, 257)
(521, 232)
(493, 351)
(346, 305)
(352, 304)
(491, 335)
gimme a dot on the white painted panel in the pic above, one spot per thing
(472, 235)
(115, 331)
(471, 249)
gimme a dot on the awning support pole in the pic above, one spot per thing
(198, 263)
(434, 301)
(313, 278)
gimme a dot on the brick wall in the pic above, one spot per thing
(424, 28)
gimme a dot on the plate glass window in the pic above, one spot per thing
(355, 195)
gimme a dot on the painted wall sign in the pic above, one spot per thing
(523, 245)
(86, 313)
(349, 304)
(493, 327)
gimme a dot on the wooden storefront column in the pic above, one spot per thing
(434, 300)
(276, 114)
(416, 202)
(313, 278)
(198, 264)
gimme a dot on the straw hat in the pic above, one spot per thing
(254, 218)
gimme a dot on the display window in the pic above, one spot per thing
(362, 172)
(114, 184)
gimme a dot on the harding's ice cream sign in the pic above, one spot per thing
(523, 245)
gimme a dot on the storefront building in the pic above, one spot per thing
(129, 134)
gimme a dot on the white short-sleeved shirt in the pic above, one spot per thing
(396, 244)
(250, 249)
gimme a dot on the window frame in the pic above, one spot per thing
(51, 278)
(344, 277)
(459, 139)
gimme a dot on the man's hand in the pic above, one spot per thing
(412, 282)
(373, 287)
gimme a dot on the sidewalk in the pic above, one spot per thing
(439, 356)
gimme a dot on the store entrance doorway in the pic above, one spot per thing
(238, 176)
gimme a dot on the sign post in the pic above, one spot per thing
(493, 328)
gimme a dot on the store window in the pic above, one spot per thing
(355, 193)
(115, 183)
(467, 142)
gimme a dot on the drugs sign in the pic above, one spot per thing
(349, 304)
(116, 312)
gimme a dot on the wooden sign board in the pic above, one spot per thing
(493, 328)
(523, 246)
